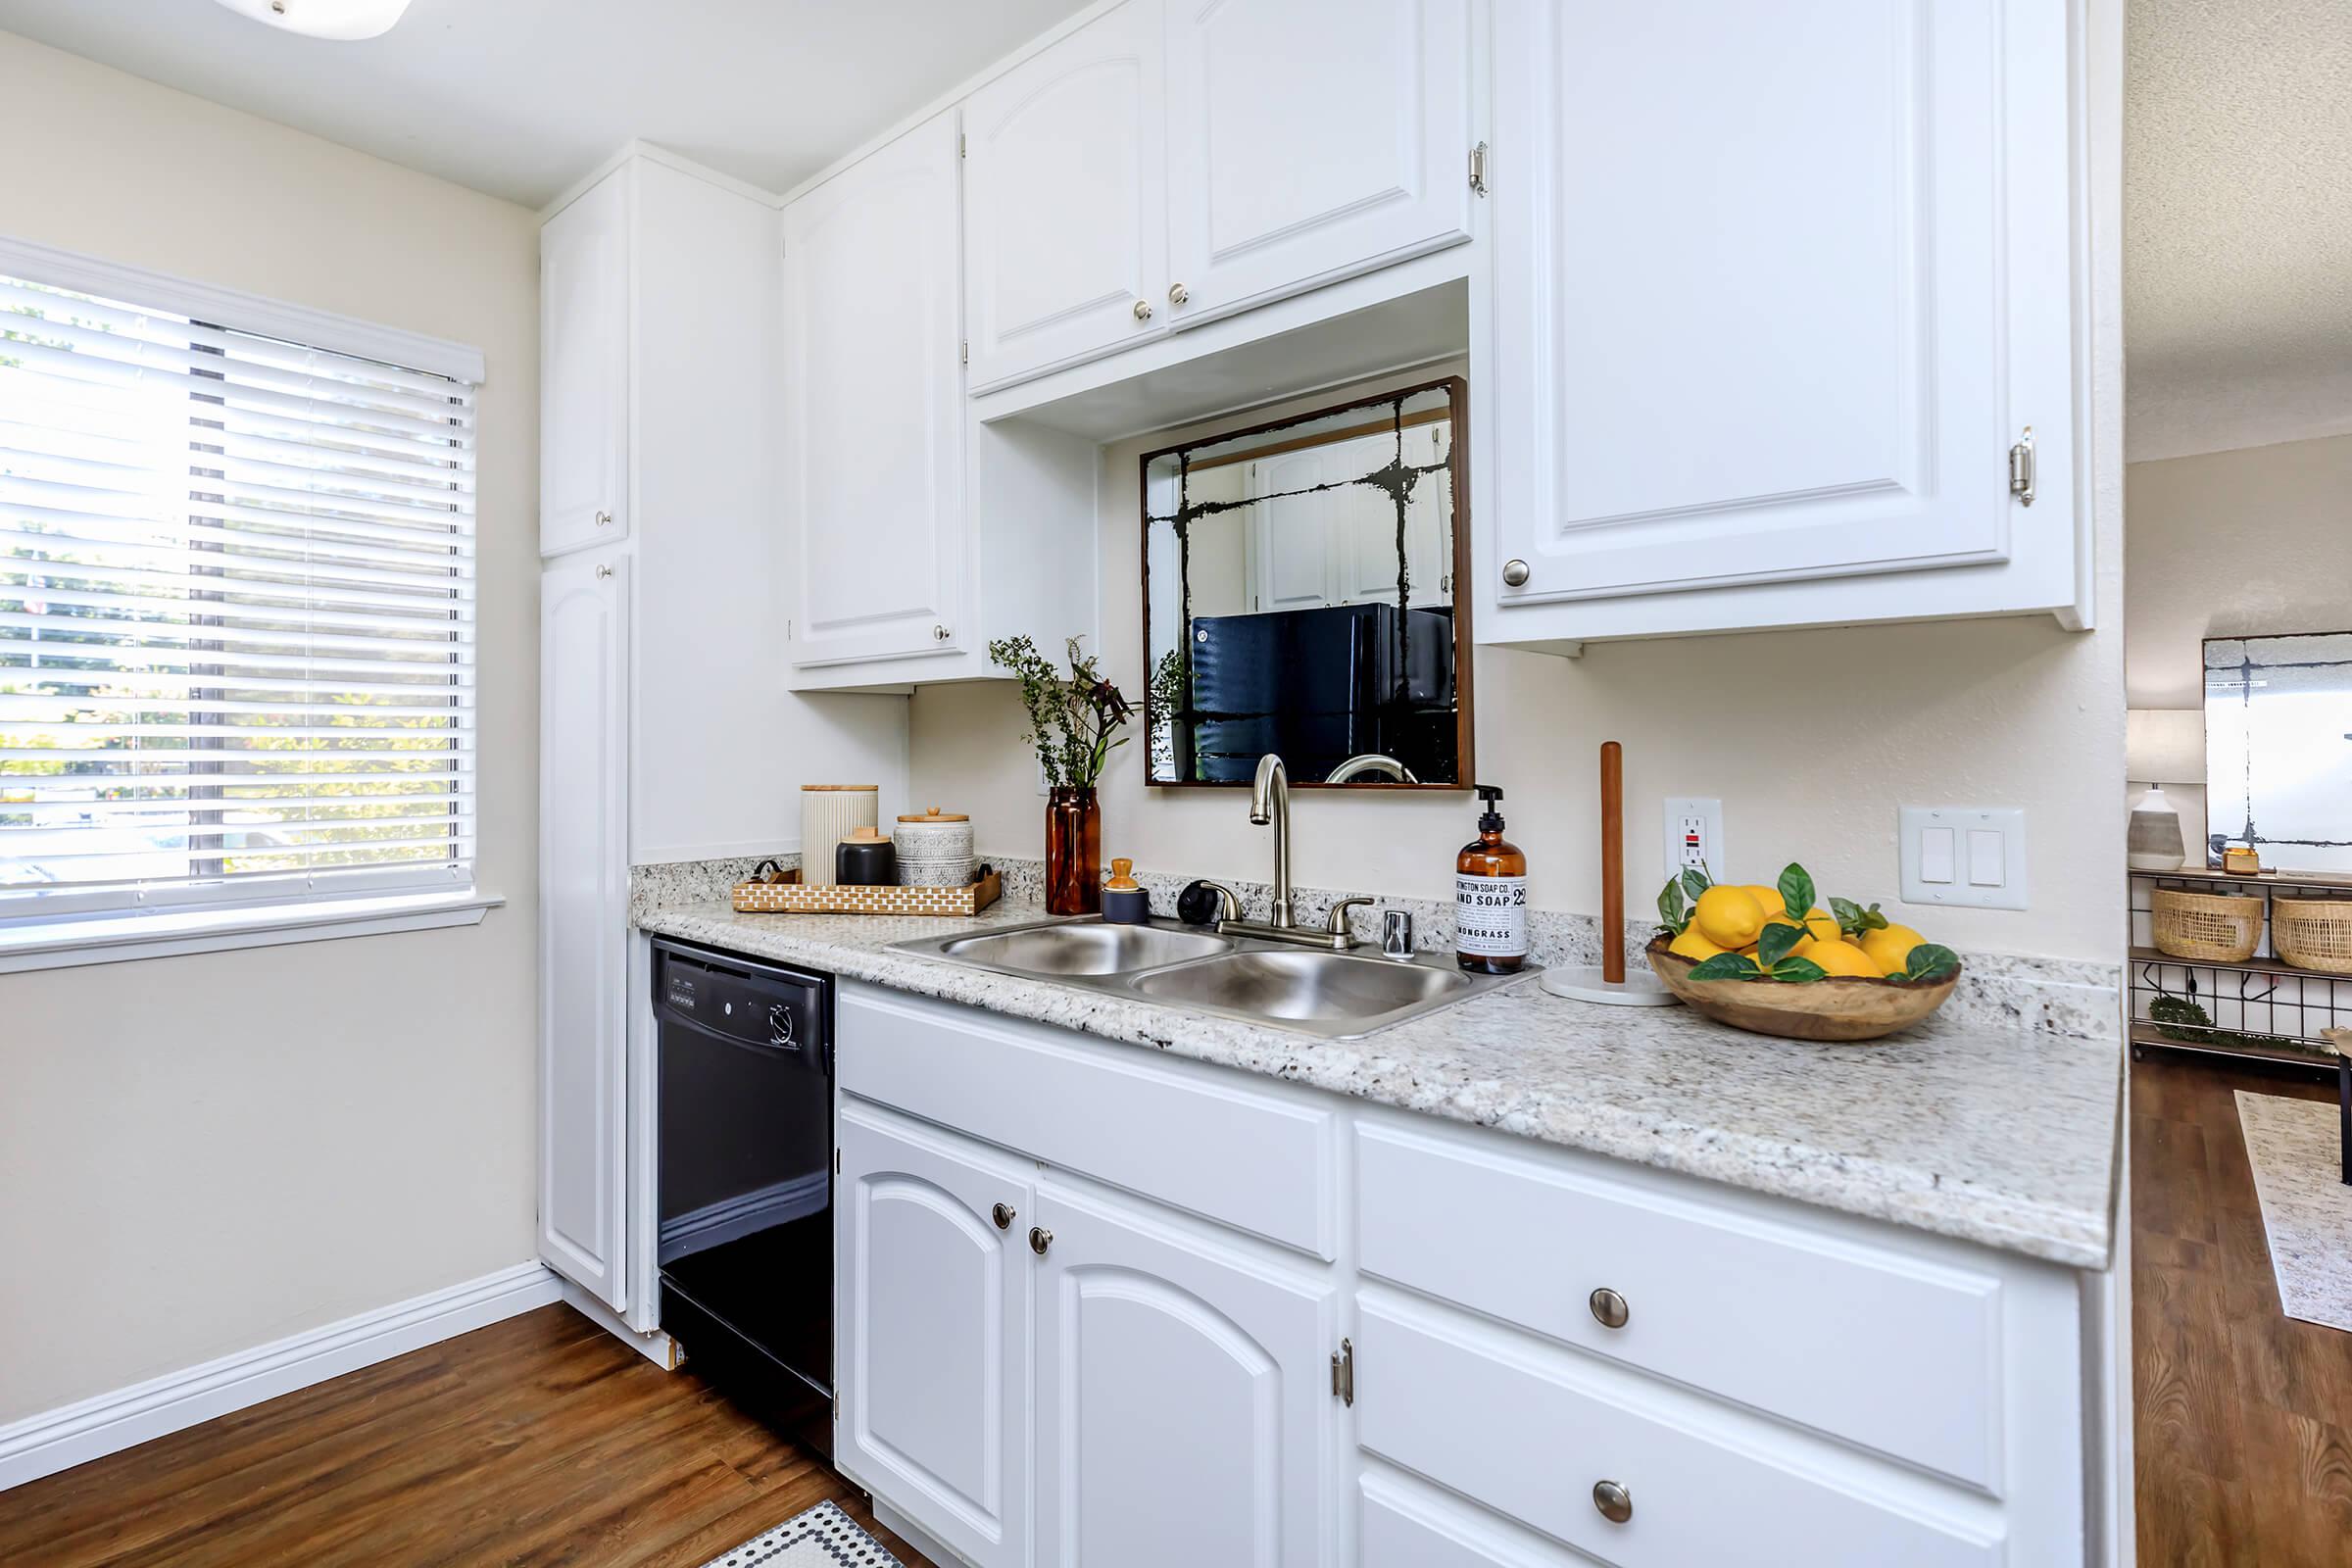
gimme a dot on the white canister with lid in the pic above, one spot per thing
(828, 812)
(935, 849)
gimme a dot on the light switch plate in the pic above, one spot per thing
(1693, 834)
(1970, 856)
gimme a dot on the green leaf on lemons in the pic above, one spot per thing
(1696, 881)
(1798, 971)
(1931, 961)
(1796, 892)
(1728, 966)
(1777, 937)
(1854, 919)
(1670, 906)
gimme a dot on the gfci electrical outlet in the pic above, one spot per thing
(1693, 834)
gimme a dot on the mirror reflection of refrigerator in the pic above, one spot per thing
(1318, 686)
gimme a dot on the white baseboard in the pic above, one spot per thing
(76, 1434)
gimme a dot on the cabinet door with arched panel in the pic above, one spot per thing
(1183, 1405)
(931, 1351)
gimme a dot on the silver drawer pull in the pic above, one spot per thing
(1608, 1308)
(1616, 1504)
(1002, 1216)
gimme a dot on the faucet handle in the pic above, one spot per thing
(1335, 922)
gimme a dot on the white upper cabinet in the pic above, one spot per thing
(584, 370)
(1777, 290)
(1311, 139)
(1065, 188)
(872, 449)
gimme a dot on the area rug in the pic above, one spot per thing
(2294, 1148)
(823, 1536)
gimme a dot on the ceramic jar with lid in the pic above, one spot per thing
(829, 812)
(863, 859)
(935, 849)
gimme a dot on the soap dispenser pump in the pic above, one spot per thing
(1489, 896)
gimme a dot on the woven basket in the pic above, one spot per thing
(2213, 926)
(2313, 933)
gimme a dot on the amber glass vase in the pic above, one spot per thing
(1073, 853)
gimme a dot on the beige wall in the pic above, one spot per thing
(2232, 543)
(200, 1154)
(1811, 739)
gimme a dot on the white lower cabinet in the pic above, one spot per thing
(932, 1336)
(1496, 1353)
(1183, 1396)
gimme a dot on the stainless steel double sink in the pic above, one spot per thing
(1337, 995)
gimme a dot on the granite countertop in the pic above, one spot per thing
(2002, 1137)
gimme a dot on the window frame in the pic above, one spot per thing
(75, 926)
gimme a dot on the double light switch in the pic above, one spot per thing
(1964, 856)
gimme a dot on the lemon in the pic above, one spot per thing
(1769, 899)
(1729, 916)
(1890, 948)
(1693, 945)
(1843, 959)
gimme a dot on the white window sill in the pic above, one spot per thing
(163, 933)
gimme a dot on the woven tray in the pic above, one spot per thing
(799, 897)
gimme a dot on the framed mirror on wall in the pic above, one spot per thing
(1299, 597)
(2279, 748)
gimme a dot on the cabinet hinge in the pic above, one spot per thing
(1478, 169)
(965, 348)
(2021, 469)
(959, 144)
(1343, 1373)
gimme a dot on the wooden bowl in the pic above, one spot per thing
(1842, 1007)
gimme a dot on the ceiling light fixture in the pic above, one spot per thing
(341, 20)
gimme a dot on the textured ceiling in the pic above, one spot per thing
(521, 97)
(2238, 221)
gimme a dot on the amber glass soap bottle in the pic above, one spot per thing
(1489, 896)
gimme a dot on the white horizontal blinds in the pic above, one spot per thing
(236, 612)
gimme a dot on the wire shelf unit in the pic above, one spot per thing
(2262, 1008)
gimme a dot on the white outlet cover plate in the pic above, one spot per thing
(1709, 812)
(1964, 856)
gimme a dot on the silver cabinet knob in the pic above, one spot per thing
(1039, 1240)
(1608, 1308)
(1514, 574)
(1002, 1216)
(1616, 1504)
(1143, 310)
(1178, 294)
(604, 570)
(940, 634)
(603, 519)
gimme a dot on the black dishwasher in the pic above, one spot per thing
(746, 1239)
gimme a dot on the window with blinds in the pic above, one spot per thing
(236, 614)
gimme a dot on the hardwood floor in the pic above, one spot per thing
(538, 1441)
(2243, 1415)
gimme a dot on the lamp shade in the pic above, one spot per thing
(2164, 746)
